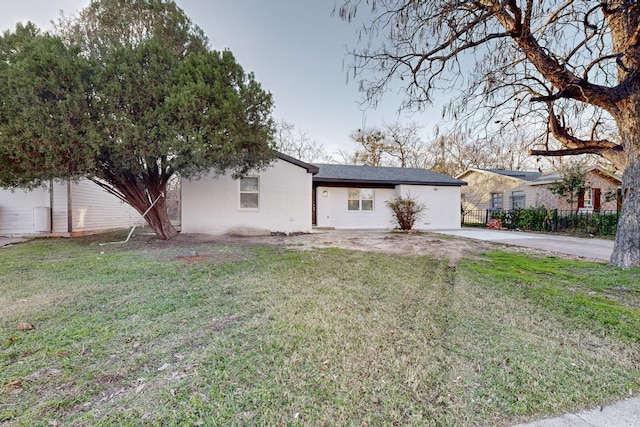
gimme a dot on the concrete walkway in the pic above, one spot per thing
(8, 241)
(625, 413)
(622, 414)
(585, 247)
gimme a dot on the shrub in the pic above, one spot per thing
(406, 210)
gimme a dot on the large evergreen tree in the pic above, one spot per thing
(127, 94)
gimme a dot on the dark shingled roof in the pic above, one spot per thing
(350, 174)
(523, 175)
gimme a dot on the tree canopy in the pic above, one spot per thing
(566, 71)
(127, 103)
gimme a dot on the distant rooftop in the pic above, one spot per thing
(547, 177)
(381, 176)
(523, 175)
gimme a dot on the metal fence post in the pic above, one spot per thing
(555, 220)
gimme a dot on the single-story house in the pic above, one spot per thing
(289, 196)
(63, 208)
(498, 189)
(347, 196)
(276, 199)
(292, 196)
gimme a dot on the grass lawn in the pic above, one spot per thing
(212, 335)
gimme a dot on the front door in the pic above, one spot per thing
(313, 206)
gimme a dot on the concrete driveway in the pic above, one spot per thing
(584, 247)
(625, 413)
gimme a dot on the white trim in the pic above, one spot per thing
(241, 192)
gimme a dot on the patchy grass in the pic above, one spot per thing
(156, 334)
(600, 298)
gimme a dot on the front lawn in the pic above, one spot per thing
(161, 334)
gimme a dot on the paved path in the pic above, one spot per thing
(8, 241)
(625, 413)
(622, 414)
(584, 247)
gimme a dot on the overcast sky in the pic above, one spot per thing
(295, 48)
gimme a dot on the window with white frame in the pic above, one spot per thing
(249, 192)
(360, 199)
(588, 198)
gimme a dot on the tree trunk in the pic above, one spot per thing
(158, 219)
(133, 192)
(626, 251)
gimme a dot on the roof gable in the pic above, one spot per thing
(378, 175)
(309, 167)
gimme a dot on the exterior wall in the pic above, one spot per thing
(94, 209)
(332, 211)
(544, 198)
(608, 187)
(477, 194)
(212, 204)
(539, 195)
(442, 203)
(17, 210)
(530, 196)
(60, 208)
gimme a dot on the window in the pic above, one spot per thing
(590, 199)
(360, 199)
(249, 191)
(517, 199)
(587, 198)
(496, 201)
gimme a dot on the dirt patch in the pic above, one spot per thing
(381, 241)
(193, 248)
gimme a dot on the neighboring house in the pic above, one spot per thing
(355, 196)
(274, 200)
(498, 189)
(63, 208)
(495, 189)
(602, 192)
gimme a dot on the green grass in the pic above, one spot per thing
(136, 335)
(600, 298)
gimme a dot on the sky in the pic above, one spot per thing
(296, 48)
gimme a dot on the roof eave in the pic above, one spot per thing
(312, 169)
(383, 182)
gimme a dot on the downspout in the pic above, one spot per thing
(51, 206)
(69, 208)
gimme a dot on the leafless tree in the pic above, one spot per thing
(345, 157)
(405, 144)
(454, 152)
(297, 144)
(373, 149)
(565, 68)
